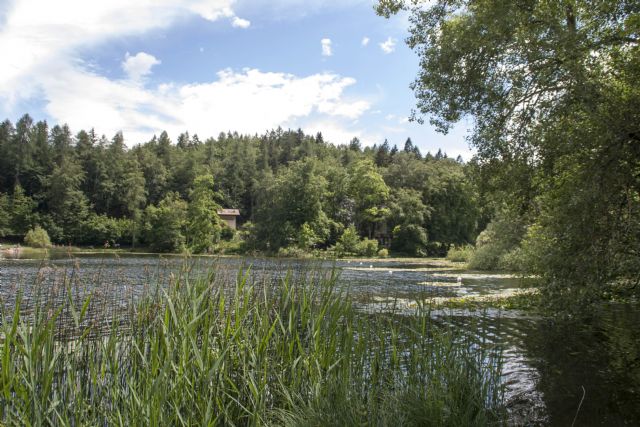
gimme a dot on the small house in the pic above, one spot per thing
(229, 217)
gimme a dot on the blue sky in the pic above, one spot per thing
(207, 66)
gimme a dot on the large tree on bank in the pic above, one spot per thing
(553, 87)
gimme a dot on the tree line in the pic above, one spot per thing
(293, 190)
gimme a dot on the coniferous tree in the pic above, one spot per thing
(5, 216)
(21, 209)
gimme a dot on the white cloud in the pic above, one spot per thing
(36, 32)
(240, 23)
(365, 41)
(401, 120)
(43, 45)
(253, 101)
(388, 45)
(326, 47)
(139, 65)
(250, 101)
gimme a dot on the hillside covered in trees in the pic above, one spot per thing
(293, 191)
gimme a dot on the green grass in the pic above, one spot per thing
(207, 350)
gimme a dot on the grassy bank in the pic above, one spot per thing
(212, 351)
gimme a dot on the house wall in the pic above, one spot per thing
(230, 220)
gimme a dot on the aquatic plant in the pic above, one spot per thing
(208, 349)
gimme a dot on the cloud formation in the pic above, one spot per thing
(388, 45)
(249, 101)
(138, 66)
(326, 47)
(44, 41)
(36, 32)
(237, 22)
(365, 41)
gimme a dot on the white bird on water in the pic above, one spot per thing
(459, 280)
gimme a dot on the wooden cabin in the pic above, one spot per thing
(229, 216)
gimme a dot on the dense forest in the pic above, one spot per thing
(293, 191)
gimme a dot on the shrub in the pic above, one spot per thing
(501, 236)
(37, 238)
(349, 241)
(512, 260)
(437, 249)
(97, 229)
(292, 252)
(460, 253)
(232, 247)
(485, 258)
(307, 238)
(247, 234)
(164, 224)
(410, 239)
(383, 253)
(227, 233)
(368, 247)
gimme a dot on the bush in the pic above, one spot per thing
(368, 247)
(383, 253)
(349, 241)
(437, 249)
(460, 253)
(350, 244)
(307, 237)
(247, 234)
(37, 238)
(227, 233)
(501, 236)
(97, 229)
(410, 239)
(292, 252)
(232, 247)
(164, 224)
(513, 260)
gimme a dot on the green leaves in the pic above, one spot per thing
(164, 225)
(203, 223)
(552, 87)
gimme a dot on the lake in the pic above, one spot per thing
(553, 369)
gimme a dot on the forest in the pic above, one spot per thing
(295, 192)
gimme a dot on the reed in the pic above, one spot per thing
(208, 349)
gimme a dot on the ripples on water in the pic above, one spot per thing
(546, 365)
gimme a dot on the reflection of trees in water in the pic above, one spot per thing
(546, 364)
(602, 354)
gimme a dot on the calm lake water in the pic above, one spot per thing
(552, 370)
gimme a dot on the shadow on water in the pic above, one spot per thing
(554, 372)
(596, 361)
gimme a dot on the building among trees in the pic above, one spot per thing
(229, 216)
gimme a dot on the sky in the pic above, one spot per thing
(211, 66)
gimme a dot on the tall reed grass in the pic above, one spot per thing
(209, 350)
